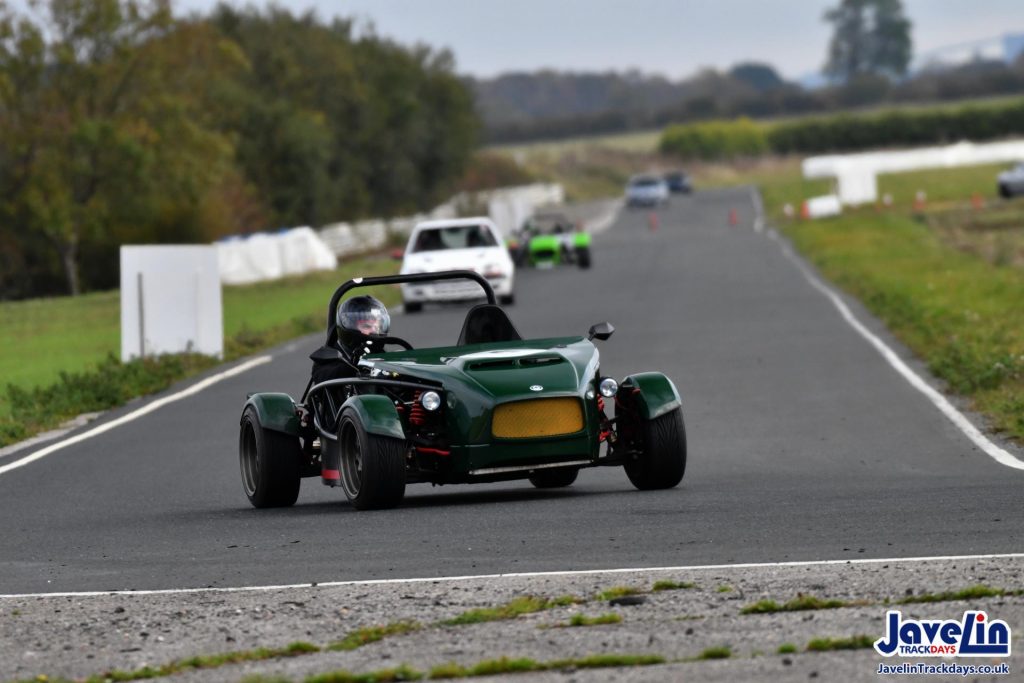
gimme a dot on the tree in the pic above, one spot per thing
(870, 37)
(101, 121)
(759, 76)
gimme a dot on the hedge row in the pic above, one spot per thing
(844, 132)
(713, 140)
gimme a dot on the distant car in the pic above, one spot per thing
(549, 239)
(678, 182)
(646, 190)
(1011, 183)
(457, 244)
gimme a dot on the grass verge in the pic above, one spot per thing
(57, 355)
(939, 277)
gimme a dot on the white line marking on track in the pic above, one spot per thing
(135, 414)
(523, 575)
(755, 198)
(1000, 455)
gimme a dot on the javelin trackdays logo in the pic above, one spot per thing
(974, 636)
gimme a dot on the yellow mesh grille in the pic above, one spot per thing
(537, 417)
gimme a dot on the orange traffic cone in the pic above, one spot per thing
(977, 201)
(734, 219)
(652, 221)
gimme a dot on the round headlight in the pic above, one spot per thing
(430, 400)
(608, 387)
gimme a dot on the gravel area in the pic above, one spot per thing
(77, 636)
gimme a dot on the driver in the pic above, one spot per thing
(361, 322)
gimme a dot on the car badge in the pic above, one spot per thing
(536, 387)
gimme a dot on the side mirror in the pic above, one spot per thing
(600, 331)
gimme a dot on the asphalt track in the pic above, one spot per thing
(804, 445)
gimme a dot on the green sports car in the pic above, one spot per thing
(550, 239)
(490, 407)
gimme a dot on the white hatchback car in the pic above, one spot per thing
(456, 244)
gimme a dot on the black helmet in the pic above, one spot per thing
(360, 320)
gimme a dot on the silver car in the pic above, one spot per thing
(646, 190)
(1011, 182)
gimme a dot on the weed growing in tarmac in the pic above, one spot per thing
(797, 604)
(372, 634)
(510, 610)
(969, 593)
(671, 586)
(401, 673)
(618, 592)
(724, 589)
(720, 652)
(296, 649)
(851, 643)
(489, 667)
(786, 649)
(584, 620)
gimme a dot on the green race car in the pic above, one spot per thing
(491, 407)
(550, 239)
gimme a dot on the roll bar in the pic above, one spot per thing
(399, 279)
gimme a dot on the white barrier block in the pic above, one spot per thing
(170, 301)
(852, 170)
(820, 207)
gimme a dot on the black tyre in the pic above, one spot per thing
(507, 300)
(583, 257)
(554, 478)
(412, 306)
(663, 462)
(372, 467)
(270, 462)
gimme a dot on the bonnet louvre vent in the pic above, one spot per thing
(509, 363)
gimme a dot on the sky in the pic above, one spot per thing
(674, 38)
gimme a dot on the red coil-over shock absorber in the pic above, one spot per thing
(417, 413)
(604, 433)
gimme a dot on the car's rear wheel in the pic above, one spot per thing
(372, 466)
(412, 306)
(662, 463)
(554, 478)
(583, 257)
(270, 462)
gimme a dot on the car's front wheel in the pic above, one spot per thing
(412, 306)
(554, 478)
(662, 462)
(583, 257)
(372, 466)
(270, 463)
